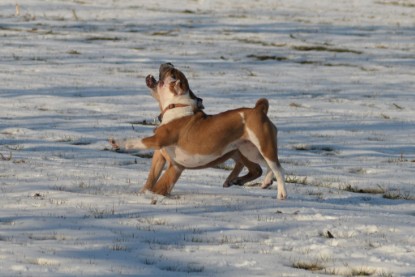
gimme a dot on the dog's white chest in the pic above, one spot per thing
(189, 160)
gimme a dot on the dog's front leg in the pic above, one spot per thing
(163, 136)
(136, 144)
(157, 164)
(127, 144)
(167, 181)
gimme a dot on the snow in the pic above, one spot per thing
(339, 76)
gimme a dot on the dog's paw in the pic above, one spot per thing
(143, 190)
(233, 182)
(114, 144)
(153, 197)
(237, 182)
(282, 195)
(266, 185)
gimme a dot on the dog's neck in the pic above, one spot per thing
(177, 109)
(169, 107)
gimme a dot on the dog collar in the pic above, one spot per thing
(169, 107)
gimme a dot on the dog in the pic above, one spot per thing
(193, 139)
(160, 156)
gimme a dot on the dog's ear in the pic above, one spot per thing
(199, 102)
(179, 88)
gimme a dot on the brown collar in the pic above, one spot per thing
(171, 106)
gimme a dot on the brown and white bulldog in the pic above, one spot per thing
(193, 139)
(160, 156)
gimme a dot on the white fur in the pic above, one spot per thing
(175, 113)
(268, 178)
(167, 98)
(133, 144)
(250, 151)
(282, 194)
(189, 160)
(243, 117)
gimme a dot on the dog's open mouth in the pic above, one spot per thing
(151, 81)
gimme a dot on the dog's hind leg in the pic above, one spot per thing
(254, 171)
(271, 157)
(268, 179)
(234, 174)
(279, 173)
(167, 181)
(268, 149)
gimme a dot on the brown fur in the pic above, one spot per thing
(198, 140)
(160, 157)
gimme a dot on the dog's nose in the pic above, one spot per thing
(168, 64)
(164, 66)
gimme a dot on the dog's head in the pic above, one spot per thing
(172, 83)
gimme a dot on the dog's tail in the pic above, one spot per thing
(262, 104)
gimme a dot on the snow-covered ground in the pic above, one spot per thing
(340, 77)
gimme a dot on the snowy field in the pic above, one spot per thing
(340, 77)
